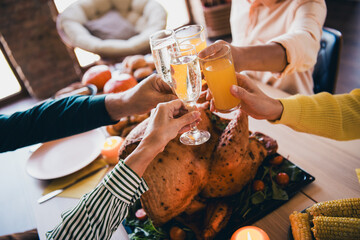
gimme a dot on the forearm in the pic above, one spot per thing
(117, 106)
(141, 157)
(101, 211)
(332, 116)
(52, 120)
(268, 57)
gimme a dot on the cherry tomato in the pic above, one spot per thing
(276, 160)
(282, 179)
(141, 214)
(258, 185)
(177, 233)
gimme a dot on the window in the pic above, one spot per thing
(9, 85)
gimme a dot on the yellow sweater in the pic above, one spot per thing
(332, 116)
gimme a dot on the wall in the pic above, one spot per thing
(42, 61)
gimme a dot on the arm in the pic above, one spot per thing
(65, 117)
(51, 120)
(323, 114)
(99, 213)
(266, 57)
(331, 116)
(295, 50)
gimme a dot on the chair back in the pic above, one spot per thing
(327, 65)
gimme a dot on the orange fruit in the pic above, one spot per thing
(97, 75)
(120, 82)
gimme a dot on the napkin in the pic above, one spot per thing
(82, 187)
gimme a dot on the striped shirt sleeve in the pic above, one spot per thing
(100, 212)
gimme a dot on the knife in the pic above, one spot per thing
(54, 193)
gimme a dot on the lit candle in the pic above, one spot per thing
(110, 150)
(250, 233)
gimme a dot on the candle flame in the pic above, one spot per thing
(248, 236)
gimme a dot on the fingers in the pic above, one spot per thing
(187, 119)
(213, 48)
(239, 92)
(245, 82)
(212, 106)
(208, 95)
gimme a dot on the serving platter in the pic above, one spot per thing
(249, 205)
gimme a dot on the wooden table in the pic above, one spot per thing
(331, 162)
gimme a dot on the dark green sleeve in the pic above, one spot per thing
(51, 120)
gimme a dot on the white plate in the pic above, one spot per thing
(64, 156)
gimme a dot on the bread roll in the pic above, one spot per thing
(142, 72)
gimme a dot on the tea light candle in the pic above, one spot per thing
(111, 148)
(250, 233)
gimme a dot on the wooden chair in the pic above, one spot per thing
(327, 65)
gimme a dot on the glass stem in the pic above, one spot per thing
(192, 107)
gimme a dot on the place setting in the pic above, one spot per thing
(73, 166)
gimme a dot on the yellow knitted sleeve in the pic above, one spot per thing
(332, 116)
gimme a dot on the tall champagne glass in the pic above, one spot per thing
(186, 82)
(192, 34)
(161, 43)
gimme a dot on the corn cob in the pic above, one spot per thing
(300, 226)
(336, 228)
(336, 208)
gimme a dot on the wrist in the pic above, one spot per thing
(141, 157)
(239, 54)
(116, 106)
(277, 110)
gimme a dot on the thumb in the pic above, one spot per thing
(169, 97)
(238, 92)
(188, 118)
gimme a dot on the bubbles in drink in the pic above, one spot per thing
(186, 77)
(161, 55)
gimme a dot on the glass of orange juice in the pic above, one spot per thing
(219, 73)
(192, 34)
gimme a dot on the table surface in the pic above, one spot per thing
(331, 162)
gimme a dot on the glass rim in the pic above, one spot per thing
(170, 31)
(211, 56)
(177, 53)
(189, 26)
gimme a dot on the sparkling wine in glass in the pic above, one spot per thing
(186, 83)
(162, 43)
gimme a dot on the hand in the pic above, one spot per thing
(139, 99)
(254, 102)
(167, 121)
(217, 46)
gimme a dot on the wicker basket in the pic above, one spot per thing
(216, 19)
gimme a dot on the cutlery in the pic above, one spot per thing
(54, 193)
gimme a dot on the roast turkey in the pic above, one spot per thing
(187, 181)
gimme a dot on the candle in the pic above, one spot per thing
(110, 150)
(250, 233)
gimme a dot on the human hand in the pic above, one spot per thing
(254, 102)
(139, 99)
(166, 122)
(217, 46)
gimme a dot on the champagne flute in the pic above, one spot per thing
(192, 34)
(186, 82)
(161, 43)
